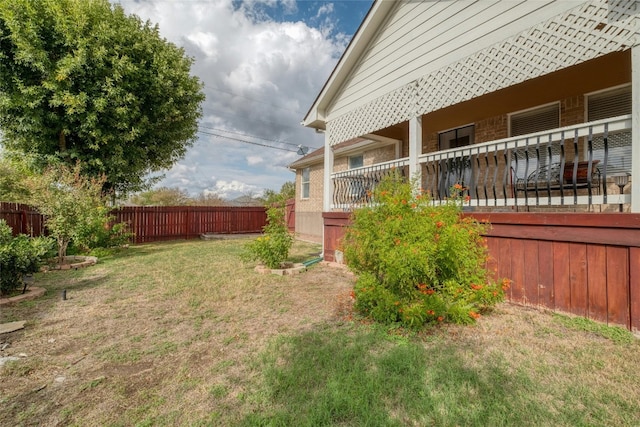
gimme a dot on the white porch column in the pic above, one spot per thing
(415, 148)
(327, 193)
(635, 129)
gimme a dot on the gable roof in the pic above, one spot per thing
(360, 40)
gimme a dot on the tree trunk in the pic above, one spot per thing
(62, 142)
(63, 243)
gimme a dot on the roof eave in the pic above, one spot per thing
(359, 42)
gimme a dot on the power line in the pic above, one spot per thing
(251, 136)
(245, 141)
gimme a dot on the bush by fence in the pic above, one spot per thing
(155, 223)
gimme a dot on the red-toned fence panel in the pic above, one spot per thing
(23, 219)
(157, 223)
(290, 215)
(594, 265)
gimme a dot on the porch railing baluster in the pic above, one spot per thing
(495, 176)
(505, 174)
(486, 174)
(606, 162)
(526, 171)
(537, 180)
(562, 163)
(549, 169)
(590, 165)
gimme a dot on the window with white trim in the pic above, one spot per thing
(305, 182)
(610, 103)
(535, 120)
(458, 137)
(603, 105)
(356, 161)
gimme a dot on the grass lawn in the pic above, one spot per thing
(184, 333)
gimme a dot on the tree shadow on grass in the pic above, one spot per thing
(362, 378)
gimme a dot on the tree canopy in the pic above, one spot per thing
(82, 81)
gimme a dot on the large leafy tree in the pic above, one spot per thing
(82, 81)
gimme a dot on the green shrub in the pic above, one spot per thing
(271, 249)
(418, 263)
(97, 231)
(20, 255)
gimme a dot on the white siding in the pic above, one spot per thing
(421, 37)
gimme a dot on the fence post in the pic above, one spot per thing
(186, 224)
(23, 223)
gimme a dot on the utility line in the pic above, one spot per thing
(251, 136)
(245, 141)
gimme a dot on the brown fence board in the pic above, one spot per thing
(578, 278)
(517, 270)
(504, 261)
(597, 282)
(531, 272)
(618, 286)
(634, 287)
(545, 274)
(561, 282)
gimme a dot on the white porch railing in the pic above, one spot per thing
(568, 166)
(353, 187)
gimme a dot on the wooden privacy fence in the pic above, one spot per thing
(586, 264)
(23, 219)
(155, 223)
(290, 215)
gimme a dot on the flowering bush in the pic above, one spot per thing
(418, 263)
(271, 249)
(19, 256)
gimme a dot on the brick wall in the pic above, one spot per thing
(316, 188)
(572, 111)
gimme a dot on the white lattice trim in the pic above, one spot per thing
(591, 30)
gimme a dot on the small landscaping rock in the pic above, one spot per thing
(11, 326)
(291, 269)
(6, 359)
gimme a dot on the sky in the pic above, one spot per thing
(262, 63)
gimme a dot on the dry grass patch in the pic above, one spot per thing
(185, 334)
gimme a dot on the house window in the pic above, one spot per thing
(458, 137)
(356, 161)
(535, 120)
(305, 181)
(610, 103)
(603, 105)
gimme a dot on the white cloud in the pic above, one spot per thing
(325, 9)
(231, 189)
(254, 160)
(260, 78)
